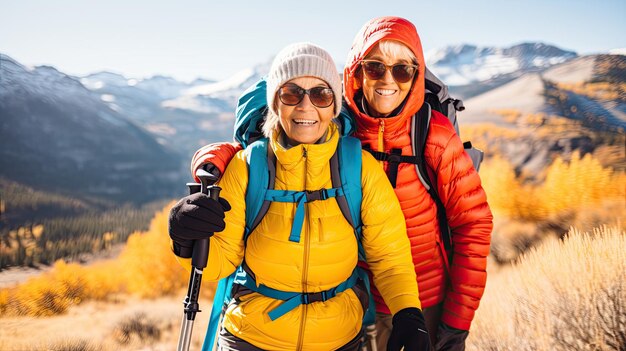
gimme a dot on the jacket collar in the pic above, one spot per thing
(314, 154)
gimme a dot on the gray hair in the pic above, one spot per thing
(272, 123)
(396, 50)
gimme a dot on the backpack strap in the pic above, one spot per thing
(264, 157)
(345, 168)
(419, 133)
(348, 173)
(258, 154)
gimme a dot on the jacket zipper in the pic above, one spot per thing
(305, 263)
(381, 140)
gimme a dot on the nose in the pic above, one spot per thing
(305, 103)
(387, 77)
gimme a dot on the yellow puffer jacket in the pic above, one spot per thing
(325, 256)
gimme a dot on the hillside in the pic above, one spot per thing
(57, 135)
(574, 106)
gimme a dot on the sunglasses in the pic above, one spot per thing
(401, 72)
(291, 95)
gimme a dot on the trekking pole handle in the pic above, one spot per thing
(200, 253)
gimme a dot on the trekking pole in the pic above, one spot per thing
(199, 259)
(368, 341)
(371, 333)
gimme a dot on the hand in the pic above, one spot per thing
(196, 216)
(450, 339)
(409, 330)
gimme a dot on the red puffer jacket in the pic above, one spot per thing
(457, 182)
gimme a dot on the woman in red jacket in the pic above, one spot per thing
(383, 88)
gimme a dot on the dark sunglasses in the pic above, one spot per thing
(291, 94)
(401, 72)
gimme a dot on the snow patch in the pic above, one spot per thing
(107, 97)
(618, 51)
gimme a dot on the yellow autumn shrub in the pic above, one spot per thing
(580, 182)
(573, 185)
(149, 266)
(49, 294)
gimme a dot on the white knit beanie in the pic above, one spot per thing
(300, 60)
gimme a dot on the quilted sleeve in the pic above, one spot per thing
(470, 221)
(218, 154)
(226, 248)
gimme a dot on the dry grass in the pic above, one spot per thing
(567, 294)
(137, 328)
(511, 238)
(100, 323)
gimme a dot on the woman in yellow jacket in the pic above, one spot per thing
(304, 93)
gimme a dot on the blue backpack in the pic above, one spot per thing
(346, 189)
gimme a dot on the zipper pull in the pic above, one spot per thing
(381, 132)
(303, 151)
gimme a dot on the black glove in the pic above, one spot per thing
(450, 339)
(195, 216)
(409, 330)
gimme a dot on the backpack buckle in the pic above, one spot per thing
(309, 298)
(314, 195)
(395, 156)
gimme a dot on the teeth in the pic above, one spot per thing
(304, 121)
(385, 91)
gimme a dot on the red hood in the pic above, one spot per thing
(384, 28)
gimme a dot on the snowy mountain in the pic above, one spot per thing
(464, 65)
(57, 134)
(205, 97)
(145, 102)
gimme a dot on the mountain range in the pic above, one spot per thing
(60, 136)
(124, 138)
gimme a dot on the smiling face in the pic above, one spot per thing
(385, 95)
(305, 123)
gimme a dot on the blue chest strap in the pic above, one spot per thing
(300, 197)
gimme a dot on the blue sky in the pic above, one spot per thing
(215, 39)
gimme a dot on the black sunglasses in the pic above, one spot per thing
(401, 72)
(291, 94)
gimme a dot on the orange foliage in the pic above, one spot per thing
(146, 267)
(150, 267)
(572, 185)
